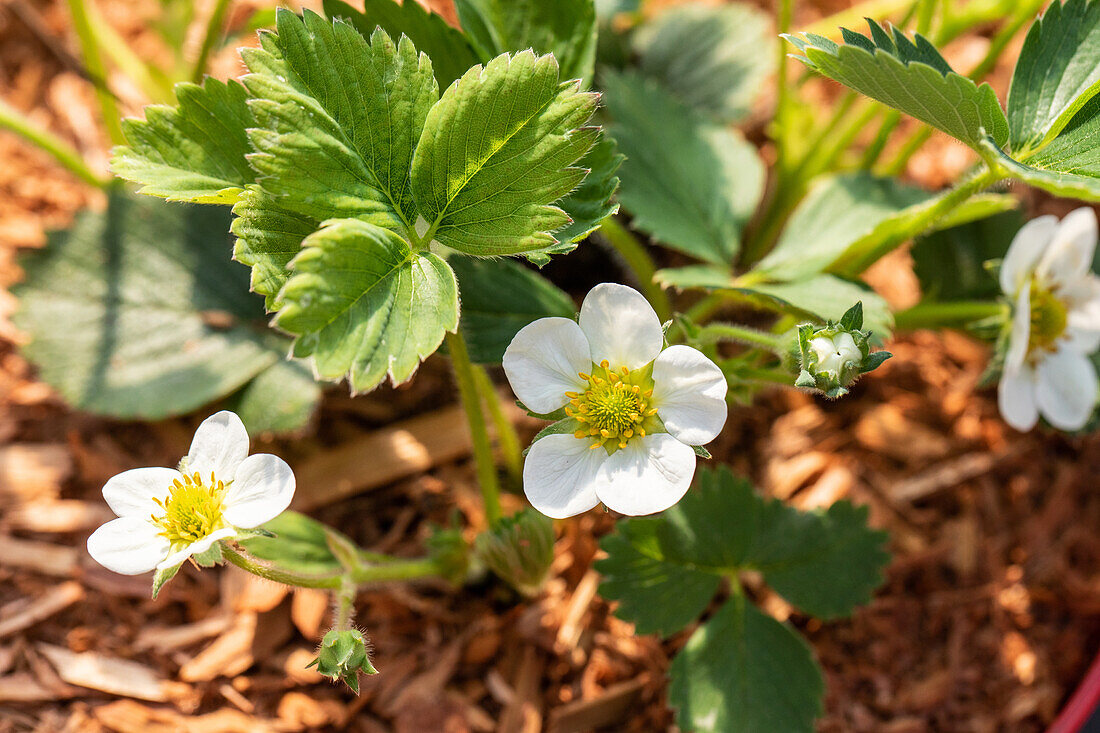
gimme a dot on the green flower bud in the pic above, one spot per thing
(342, 656)
(519, 549)
(833, 357)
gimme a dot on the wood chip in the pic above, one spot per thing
(41, 557)
(165, 639)
(107, 674)
(34, 471)
(63, 515)
(228, 655)
(24, 615)
(945, 475)
(24, 687)
(308, 609)
(608, 709)
(570, 631)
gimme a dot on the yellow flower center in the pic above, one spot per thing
(1048, 318)
(192, 510)
(615, 407)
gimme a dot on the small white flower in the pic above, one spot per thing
(1056, 322)
(165, 516)
(640, 407)
(836, 353)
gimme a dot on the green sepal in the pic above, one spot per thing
(210, 557)
(564, 426)
(244, 534)
(701, 451)
(558, 414)
(162, 576)
(450, 552)
(852, 320)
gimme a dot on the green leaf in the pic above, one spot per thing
(449, 50)
(695, 189)
(824, 297)
(194, 152)
(745, 672)
(300, 544)
(714, 59)
(657, 595)
(137, 312)
(590, 203)
(566, 28)
(338, 119)
(910, 76)
(268, 237)
(499, 297)
(280, 399)
(485, 175)
(1056, 74)
(363, 303)
(1068, 167)
(856, 217)
(950, 264)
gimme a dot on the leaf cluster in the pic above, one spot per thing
(742, 670)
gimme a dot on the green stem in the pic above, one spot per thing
(345, 605)
(398, 570)
(856, 260)
(782, 101)
(152, 81)
(213, 32)
(740, 374)
(954, 313)
(874, 150)
(897, 165)
(94, 65)
(279, 575)
(716, 332)
(830, 26)
(507, 436)
(479, 433)
(639, 263)
(65, 154)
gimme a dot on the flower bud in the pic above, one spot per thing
(342, 656)
(833, 357)
(519, 549)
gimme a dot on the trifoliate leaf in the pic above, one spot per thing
(850, 220)
(497, 151)
(744, 672)
(695, 189)
(268, 237)
(363, 303)
(1056, 74)
(1069, 166)
(566, 28)
(714, 59)
(950, 264)
(137, 311)
(447, 47)
(656, 594)
(499, 297)
(194, 152)
(910, 76)
(338, 119)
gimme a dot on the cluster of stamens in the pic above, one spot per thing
(192, 510)
(614, 407)
(1048, 318)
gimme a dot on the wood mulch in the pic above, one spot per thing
(989, 616)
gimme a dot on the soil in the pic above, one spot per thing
(989, 616)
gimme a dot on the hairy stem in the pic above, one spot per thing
(396, 570)
(65, 154)
(479, 433)
(93, 64)
(266, 570)
(716, 332)
(639, 263)
(507, 436)
(953, 313)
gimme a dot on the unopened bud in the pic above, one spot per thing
(342, 656)
(519, 549)
(833, 357)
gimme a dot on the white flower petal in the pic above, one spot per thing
(1068, 257)
(559, 476)
(1083, 319)
(689, 391)
(128, 545)
(219, 446)
(131, 493)
(1020, 337)
(1016, 398)
(621, 326)
(1024, 252)
(261, 491)
(543, 361)
(196, 548)
(649, 475)
(1066, 389)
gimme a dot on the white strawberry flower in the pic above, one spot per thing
(639, 407)
(1056, 322)
(835, 354)
(166, 515)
